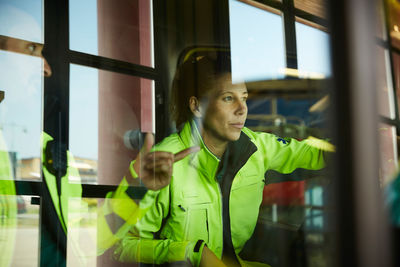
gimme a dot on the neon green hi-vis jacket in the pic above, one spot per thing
(195, 206)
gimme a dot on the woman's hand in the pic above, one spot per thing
(155, 168)
(208, 258)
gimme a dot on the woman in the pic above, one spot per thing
(210, 208)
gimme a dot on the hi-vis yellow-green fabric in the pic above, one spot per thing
(8, 206)
(190, 208)
(117, 205)
(68, 190)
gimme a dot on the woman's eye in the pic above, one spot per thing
(228, 98)
(32, 48)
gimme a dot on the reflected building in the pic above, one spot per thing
(29, 169)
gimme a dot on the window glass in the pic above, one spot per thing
(384, 84)
(120, 30)
(21, 81)
(294, 211)
(88, 231)
(314, 213)
(314, 7)
(83, 26)
(22, 19)
(105, 108)
(312, 63)
(25, 232)
(257, 43)
(388, 152)
(83, 136)
(20, 111)
(22, 69)
(82, 231)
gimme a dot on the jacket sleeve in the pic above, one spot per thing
(139, 245)
(286, 155)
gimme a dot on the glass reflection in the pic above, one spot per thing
(257, 43)
(384, 84)
(118, 30)
(22, 68)
(27, 233)
(312, 63)
(388, 153)
(105, 108)
(83, 114)
(22, 65)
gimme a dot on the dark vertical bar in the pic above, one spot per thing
(56, 87)
(179, 20)
(193, 21)
(346, 244)
(56, 103)
(221, 23)
(161, 65)
(361, 227)
(290, 33)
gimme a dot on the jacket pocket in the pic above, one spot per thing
(255, 184)
(196, 227)
(247, 179)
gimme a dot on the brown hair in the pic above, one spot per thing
(196, 76)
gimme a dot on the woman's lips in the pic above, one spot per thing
(237, 125)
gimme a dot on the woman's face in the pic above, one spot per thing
(28, 48)
(225, 110)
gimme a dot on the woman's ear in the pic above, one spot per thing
(194, 105)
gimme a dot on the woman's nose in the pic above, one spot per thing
(46, 68)
(241, 108)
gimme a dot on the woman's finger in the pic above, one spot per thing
(156, 164)
(147, 144)
(158, 155)
(182, 154)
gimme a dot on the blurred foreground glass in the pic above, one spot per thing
(384, 83)
(388, 153)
